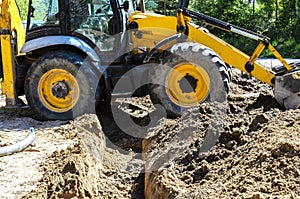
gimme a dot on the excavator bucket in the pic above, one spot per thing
(287, 89)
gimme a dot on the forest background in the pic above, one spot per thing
(276, 19)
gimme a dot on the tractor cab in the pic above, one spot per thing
(97, 22)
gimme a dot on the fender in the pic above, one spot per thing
(161, 44)
(47, 41)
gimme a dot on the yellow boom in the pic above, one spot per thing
(158, 32)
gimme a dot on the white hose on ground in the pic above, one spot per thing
(23, 144)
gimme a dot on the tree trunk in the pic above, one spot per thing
(276, 10)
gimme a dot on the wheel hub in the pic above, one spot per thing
(60, 89)
(188, 84)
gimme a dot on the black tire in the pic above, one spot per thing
(198, 55)
(21, 71)
(77, 69)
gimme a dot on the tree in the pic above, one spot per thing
(166, 7)
(277, 19)
(151, 5)
(23, 7)
(237, 12)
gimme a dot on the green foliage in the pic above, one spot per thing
(40, 9)
(151, 5)
(23, 7)
(40, 6)
(277, 19)
(166, 7)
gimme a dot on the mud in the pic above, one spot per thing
(254, 149)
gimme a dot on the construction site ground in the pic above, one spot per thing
(247, 147)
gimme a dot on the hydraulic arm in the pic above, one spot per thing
(286, 86)
(263, 40)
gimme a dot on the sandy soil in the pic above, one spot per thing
(255, 149)
(64, 161)
(69, 159)
(247, 147)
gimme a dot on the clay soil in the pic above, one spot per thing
(248, 147)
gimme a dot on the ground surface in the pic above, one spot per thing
(69, 159)
(254, 142)
(255, 149)
(54, 165)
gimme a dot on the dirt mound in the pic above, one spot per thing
(69, 159)
(255, 149)
(64, 160)
(246, 148)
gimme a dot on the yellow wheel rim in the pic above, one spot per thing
(187, 85)
(58, 90)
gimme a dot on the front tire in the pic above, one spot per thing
(190, 75)
(60, 86)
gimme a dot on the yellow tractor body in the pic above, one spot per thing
(77, 54)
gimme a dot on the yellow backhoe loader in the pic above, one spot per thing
(79, 53)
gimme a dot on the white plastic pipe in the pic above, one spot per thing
(17, 147)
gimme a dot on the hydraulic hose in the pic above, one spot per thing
(17, 147)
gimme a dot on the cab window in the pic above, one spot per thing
(44, 13)
(92, 19)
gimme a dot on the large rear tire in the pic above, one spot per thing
(60, 86)
(190, 75)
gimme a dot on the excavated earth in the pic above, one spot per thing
(64, 161)
(248, 147)
(73, 159)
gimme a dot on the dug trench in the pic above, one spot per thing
(89, 157)
(75, 159)
(247, 147)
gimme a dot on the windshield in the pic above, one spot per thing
(94, 20)
(90, 15)
(44, 13)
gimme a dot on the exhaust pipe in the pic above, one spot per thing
(143, 7)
